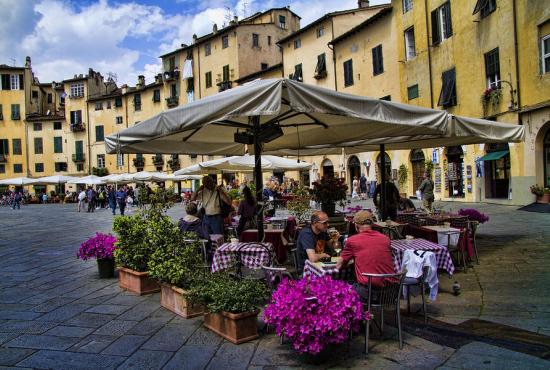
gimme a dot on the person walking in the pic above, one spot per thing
(426, 188)
(17, 200)
(111, 198)
(81, 199)
(355, 188)
(90, 194)
(363, 186)
(121, 200)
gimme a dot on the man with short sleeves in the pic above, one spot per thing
(314, 242)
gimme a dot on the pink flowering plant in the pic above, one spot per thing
(315, 312)
(474, 215)
(100, 246)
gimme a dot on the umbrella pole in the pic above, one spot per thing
(383, 212)
(255, 121)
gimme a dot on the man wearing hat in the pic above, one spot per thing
(370, 250)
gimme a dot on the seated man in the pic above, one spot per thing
(313, 241)
(371, 252)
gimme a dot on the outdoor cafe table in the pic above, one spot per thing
(272, 236)
(321, 269)
(438, 234)
(216, 239)
(253, 255)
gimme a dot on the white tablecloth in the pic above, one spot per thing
(442, 234)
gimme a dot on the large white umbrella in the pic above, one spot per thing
(55, 179)
(18, 181)
(117, 178)
(149, 176)
(87, 180)
(242, 164)
(174, 177)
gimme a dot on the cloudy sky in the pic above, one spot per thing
(66, 37)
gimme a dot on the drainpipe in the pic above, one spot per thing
(199, 67)
(88, 133)
(429, 54)
(516, 55)
(127, 125)
(26, 148)
(333, 56)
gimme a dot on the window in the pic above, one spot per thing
(37, 126)
(441, 23)
(108, 104)
(79, 147)
(447, 97)
(17, 147)
(60, 166)
(5, 146)
(17, 168)
(15, 112)
(1, 113)
(321, 67)
(282, 22)
(407, 5)
(320, 31)
(297, 43)
(492, 69)
(412, 92)
(118, 102)
(2, 168)
(137, 102)
(264, 66)
(39, 167)
(57, 126)
(387, 98)
(410, 49)
(50, 98)
(255, 40)
(173, 90)
(377, 60)
(99, 106)
(120, 160)
(348, 73)
(545, 56)
(485, 7)
(38, 145)
(225, 73)
(156, 95)
(34, 94)
(269, 40)
(76, 117)
(16, 82)
(298, 73)
(101, 161)
(99, 133)
(77, 90)
(208, 79)
(207, 49)
(190, 85)
(119, 120)
(225, 42)
(58, 144)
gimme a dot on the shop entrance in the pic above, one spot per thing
(418, 167)
(455, 170)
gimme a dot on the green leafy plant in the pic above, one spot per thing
(133, 250)
(299, 206)
(100, 171)
(402, 175)
(429, 167)
(234, 194)
(223, 292)
(537, 190)
(330, 190)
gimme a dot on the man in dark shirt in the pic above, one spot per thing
(391, 197)
(314, 242)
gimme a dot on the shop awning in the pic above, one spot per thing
(493, 156)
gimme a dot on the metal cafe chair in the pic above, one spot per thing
(455, 248)
(274, 275)
(472, 228)
(387, 297)
(409, 282)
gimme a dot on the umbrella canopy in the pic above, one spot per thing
(87, 180)
(174, 177)
(117, 178)
(54, 180)
(149, 176)
(18, 181)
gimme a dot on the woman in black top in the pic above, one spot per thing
(247, 211)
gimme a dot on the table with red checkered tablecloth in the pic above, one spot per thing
(252, 255)
(442, 255)
(320, 269)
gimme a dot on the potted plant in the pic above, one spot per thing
(315, 312)
(540, 193)
(231, 305)
(329, 191)
(299, 205)
(402, 175)
(474, 215)
(177, 264)
(100, 247)
(235, 197)
(491, 96)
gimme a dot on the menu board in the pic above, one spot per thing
(453, 171)
(469, 178)
(437, 179)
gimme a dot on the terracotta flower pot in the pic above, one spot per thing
(137, 282)
(545, 198)
(236, 328)
(172, 298)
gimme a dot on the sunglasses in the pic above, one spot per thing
(323, 222)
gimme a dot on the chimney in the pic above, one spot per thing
(215, 28)
(236, 19)
(194, 38)
(28, 62)
(184, 45)
(140, 81)
(124, 89)
(363, 3)
(158, 78)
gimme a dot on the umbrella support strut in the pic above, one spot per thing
(383, 212)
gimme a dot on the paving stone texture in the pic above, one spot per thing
(56, 313)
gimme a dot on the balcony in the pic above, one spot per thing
(77, 127)
(225, 85)
(158, 160)
(172, 101)
(139, 162)
(171, 75)
(3, 158)
(174, 164)
(79, 157)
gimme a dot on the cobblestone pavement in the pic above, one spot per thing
(56, 313)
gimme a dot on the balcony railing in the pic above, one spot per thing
(172, 101)
(225, 85)
(77, 127)
(139, 162)
(3, 157)
(79, 157)
(174, 164)
(158, 160)
(171, 75)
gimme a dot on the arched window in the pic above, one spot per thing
(388, 164)
(328, 168)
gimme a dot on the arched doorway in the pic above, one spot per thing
(388, 165)
(418, 167)
(497, 170)
(546, 158)
(455, 164)
(327, 168)
(354, 168)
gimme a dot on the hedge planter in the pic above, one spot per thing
(137, 282)
(236, 328)
(173, 298)
(106, 267)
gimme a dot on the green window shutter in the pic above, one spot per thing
(58, 144)
(447, 17)
(21, 86)
(436, 37)
(99, 133)
(6, 82)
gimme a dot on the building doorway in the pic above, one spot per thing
(305, 179)
(387, 164)
(354, 168)
(497, 171)
(418, 162)
(546, 158)
(327, 168)
(455, 170)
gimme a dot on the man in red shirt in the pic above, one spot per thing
(370, 250)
